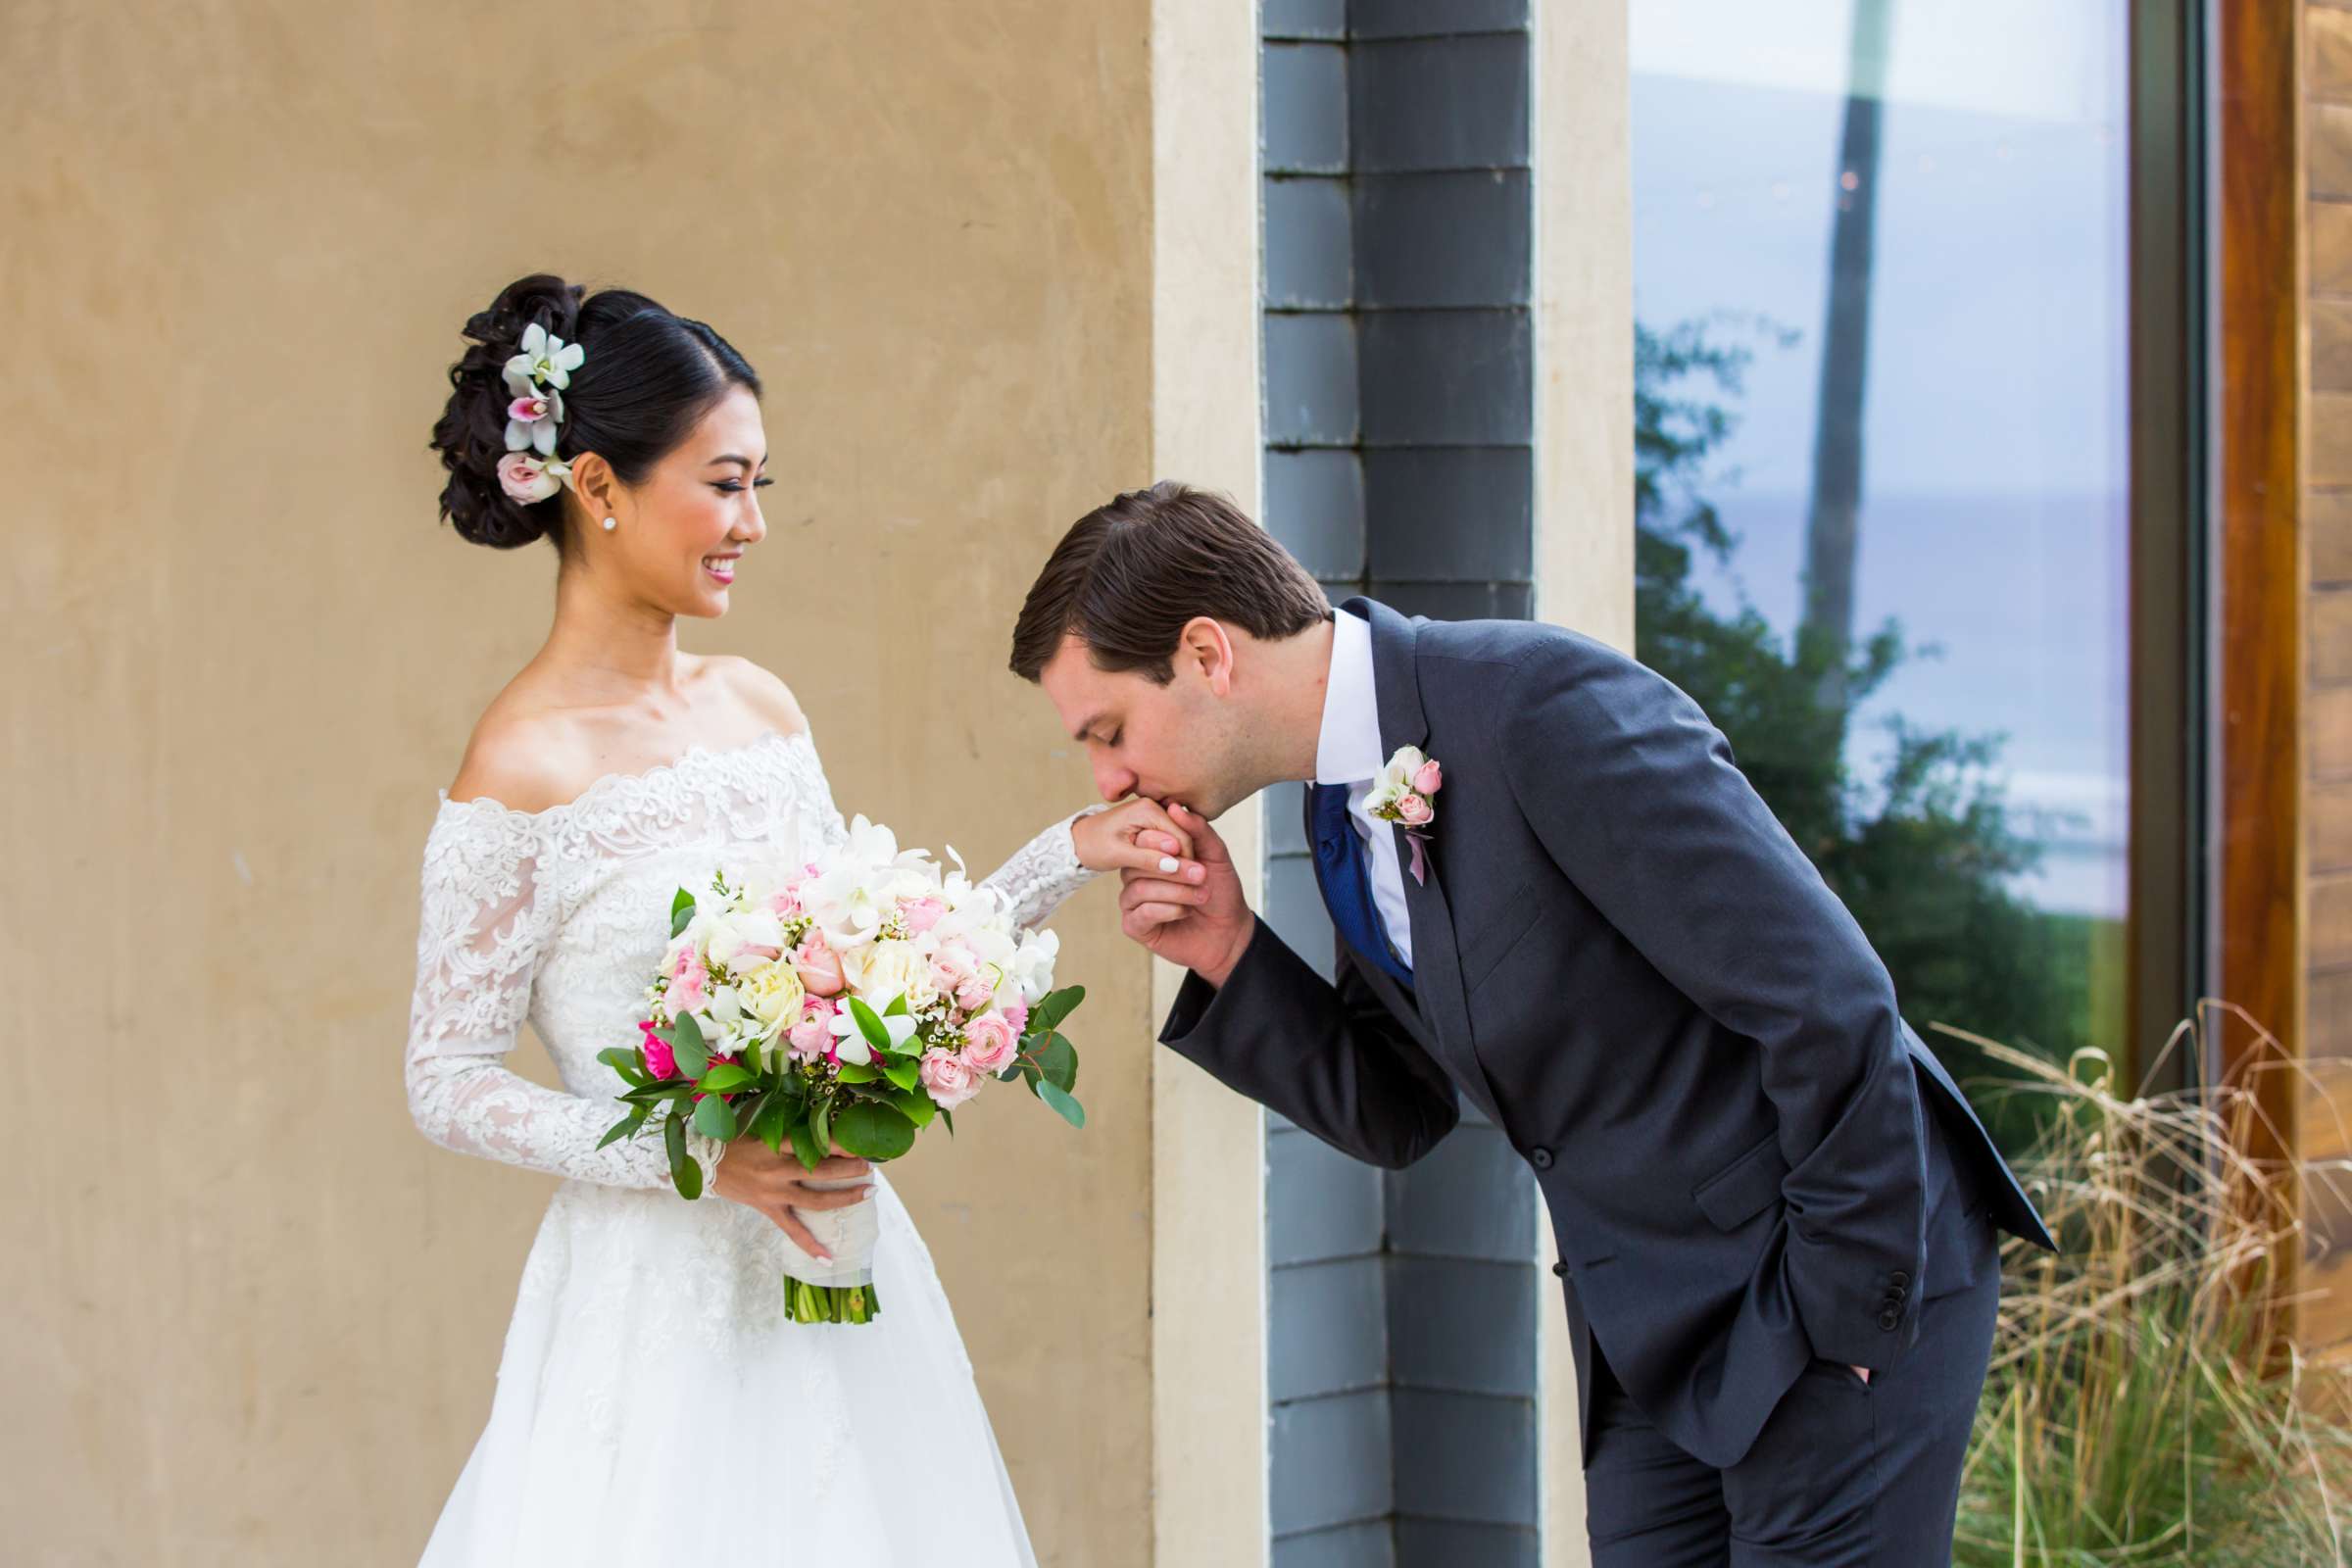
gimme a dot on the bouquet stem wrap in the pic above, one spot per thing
(818, 1290)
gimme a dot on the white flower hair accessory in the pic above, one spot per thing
(536, 377)
(1403, 795)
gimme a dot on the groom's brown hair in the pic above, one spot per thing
(1130, 574)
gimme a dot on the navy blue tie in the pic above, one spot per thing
(1344, 871)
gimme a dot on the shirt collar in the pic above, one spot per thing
(1349, 750)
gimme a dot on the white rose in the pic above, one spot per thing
(887, 971)
(772, 994)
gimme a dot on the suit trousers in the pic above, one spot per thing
(1845, 1474)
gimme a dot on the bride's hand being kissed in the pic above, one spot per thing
(1137, 835)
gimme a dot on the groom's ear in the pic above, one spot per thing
(1207, 646)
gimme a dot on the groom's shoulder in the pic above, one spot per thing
(1515, 645)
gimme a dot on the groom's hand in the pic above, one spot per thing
(1205, 926)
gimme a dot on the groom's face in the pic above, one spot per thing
(1168, 743)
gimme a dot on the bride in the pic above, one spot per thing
(653, 1403)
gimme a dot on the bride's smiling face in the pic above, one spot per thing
(680, 536)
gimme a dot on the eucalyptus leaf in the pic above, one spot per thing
(804, 1144)
(1057, 1061)
(694, 1057)
(684, 1173)
(871, 1130)
(853, 1072)
(726, 1078)
(904, 1073)
(1053, 1094)
(715, 1118)
(916, 1107)
(1056, 1005)
(681, 912)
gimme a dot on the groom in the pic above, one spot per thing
(1776, 1214)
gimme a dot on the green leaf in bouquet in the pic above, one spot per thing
(681, 912)
(948, 1119)
(649, 1094)
(869, 1025)
(1047, 1015)
(626, 1127)
(853, 1072)
(898, 1008)
(1057, 1061)
(726, 1078)
(804, 1144)
(821, 1125)
(769, 1117)
(1053, 1093)
(684, 1173)
(871, 1130)
(713, 1117)
(902, 1072)
(694, 1057)
(916, 1107)
(624, 1060)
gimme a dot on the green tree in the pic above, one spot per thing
(1924, 851)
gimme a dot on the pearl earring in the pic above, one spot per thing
(612, 524)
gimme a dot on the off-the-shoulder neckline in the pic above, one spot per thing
(677, 765)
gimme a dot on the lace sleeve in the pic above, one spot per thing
(1042, 873)
(487, 915)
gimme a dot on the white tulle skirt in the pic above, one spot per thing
(653, 1405)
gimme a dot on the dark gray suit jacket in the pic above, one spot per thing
(1625, 961)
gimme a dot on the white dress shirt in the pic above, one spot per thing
(1349, 752)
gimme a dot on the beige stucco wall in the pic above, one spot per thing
(253, 1316)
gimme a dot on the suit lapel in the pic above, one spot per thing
(1437, 960)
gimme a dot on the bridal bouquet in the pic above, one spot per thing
(851, 1004)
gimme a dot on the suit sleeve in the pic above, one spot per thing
(1635, 795)
(1329, 1057)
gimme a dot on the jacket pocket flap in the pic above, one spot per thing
(1741, 1190)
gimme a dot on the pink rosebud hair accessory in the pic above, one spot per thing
(536, 378)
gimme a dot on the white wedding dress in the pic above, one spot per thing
(653, 1405)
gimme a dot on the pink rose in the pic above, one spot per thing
(812, 1036)
(921, 914)
(786, 904)
(1016, 1014)
(690, 990)
(1416, 810)
(525, 478)
(658, 1058)
(949, 1078)
(1430, 779)
(951, 967)
(819, 966)
(973, 993)
(990, 1044)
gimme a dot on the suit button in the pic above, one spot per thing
(1561, 1269)
(1891, 1321)
(1899, 1278)
(1540, 1157)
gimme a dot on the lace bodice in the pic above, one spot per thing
(561, 916)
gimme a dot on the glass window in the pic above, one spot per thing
(1882, 298)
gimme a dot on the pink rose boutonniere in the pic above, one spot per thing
(1403, 794)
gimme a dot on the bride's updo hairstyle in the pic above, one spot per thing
(646, 379)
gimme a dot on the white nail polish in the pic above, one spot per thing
(1168, 863)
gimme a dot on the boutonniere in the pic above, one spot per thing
(1403, 795)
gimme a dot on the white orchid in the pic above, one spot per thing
(546, 360)
(1033, 965)
(850, 1043)
(532, 420)
(861, 887)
